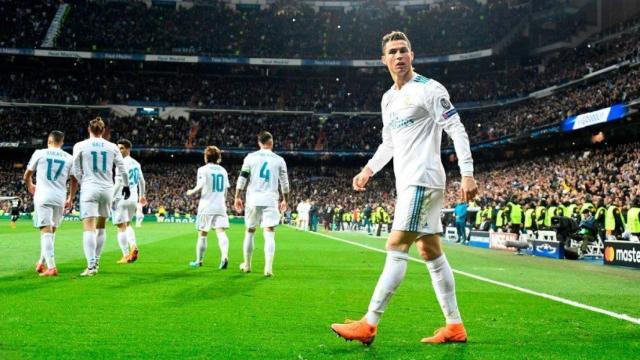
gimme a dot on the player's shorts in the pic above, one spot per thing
(14, 218)
(418, 210)
(304, 218)
(264, 216)
(95, 203)
(207, 222)
(47, 215)
(123, 211)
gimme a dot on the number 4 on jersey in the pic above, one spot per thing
(264, 172)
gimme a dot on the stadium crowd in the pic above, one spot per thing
(285, 29)
(25, 23)
(603, 177)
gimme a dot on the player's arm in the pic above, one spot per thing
(284, 186)
(199, 184)
(382, 156)
(448, 118)
(241, 184)
(76, 167)
(124, 175)
(73, 188)
(142, 189)
(28, 174)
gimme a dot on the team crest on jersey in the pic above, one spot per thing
(407, 100)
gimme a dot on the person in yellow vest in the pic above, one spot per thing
(633, 218)
(380, 214)
(346, 219)
(530, 217)
(162, 212)
(600, 214)
(515, 216)
(541, 214)
(588, 205)
(614, 222)
(569, 210)
(386, 219)
(551, 212)
(501, 216)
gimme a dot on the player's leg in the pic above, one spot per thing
(429, 248)
(252, 220)
(101, 237)
(270, 219)
(131, 234)
(89, 243)
(139, 215)
(119, 220)
(221, 223)
(203, 225)
(52, 215)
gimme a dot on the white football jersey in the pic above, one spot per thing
(267, 171)
(213, 182)
(93, 161)
(413, 119)
(136, 180)
(52, 167)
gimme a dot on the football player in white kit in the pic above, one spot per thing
(212, 182)
(93, 161)
(124, 209)
(303, 209)
(139, 214)
(262, 171)
(52, 167)
(415, 111)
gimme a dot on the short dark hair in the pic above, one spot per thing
(264, 137)
(392, 36)
(126, 143)
(57, 136)
(213, 154)
(96, 126)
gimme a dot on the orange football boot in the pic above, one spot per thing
(125, 260)
(447, 334)
(133, 255)
(359, 330)
(40, 268)
(50, 272)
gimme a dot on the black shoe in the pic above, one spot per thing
(223, 264)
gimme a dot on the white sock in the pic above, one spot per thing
(247, 247)
(139, 220)
(46, 240)
(131, 237)
(223, 243)
(445, 287)
(394, 270)
(124, 244)
(269, 249)
(89, 244)
(101, 237)
(201, 248)
(41, 259)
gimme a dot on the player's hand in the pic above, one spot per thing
(126, 192)
(32, 189)
(238, 205)
(68, 204)
(283, 206)
(143, 201)
(468, 188)
(361, 180)
(189, 192)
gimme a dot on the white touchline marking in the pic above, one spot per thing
(624, 317)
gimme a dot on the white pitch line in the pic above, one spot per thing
(624, 317)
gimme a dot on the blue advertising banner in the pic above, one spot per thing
(550, 249)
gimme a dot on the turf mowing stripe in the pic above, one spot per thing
(624, 317)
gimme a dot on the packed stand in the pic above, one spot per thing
(283, 30)
(25, 23)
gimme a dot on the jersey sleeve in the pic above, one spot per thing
(33, 162)
(142, 185)
(245, 172)
(120, 165)
(446, 116)
(227, 184)
(76, 168)
(283, 177)
(384, 153)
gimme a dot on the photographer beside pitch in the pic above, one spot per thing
(414, 112)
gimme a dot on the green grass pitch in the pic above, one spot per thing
(161, 308)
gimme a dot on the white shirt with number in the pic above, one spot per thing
(413, 119)
(267, 173)
(134, 173)
(213, 182)
(93, 161)
(52, 168)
